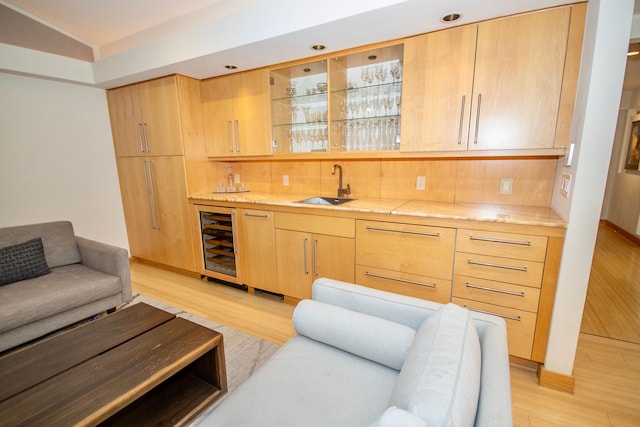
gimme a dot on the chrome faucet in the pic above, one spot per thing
(342, 192)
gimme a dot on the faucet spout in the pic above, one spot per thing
(341, 191)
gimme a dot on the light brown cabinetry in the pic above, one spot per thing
(154, 195)
(501, 274)
(258, 249)
(235, 109)
(414, 260)
(145, 118)
(312, 246)
(491, 86)
(152, 123)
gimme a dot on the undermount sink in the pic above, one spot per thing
(325, 200)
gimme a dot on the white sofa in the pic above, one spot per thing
(364, 357)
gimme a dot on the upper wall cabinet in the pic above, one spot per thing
(235, 109)
(346, 103)
(145, 119)
(491, 86)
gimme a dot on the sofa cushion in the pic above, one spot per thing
(22, 261)
(58, 239)
(65, 288)
(396, 417)
(440, 379)
(373, 338)
(311, 384)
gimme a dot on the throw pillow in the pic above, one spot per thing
(22, 261)
(440, 379)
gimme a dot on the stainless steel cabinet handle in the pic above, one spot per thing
(500, 291)
(511, 242)
(315, 257)
(146, 137)
(233, 232)
(475, 137)
(505, 316)
(488, 264)
(464, 97)
(151, 195)
(229, 136)
(393, 230)
(140, 146)
(237, 137)
(397, 279)
(256, 215)
(306, 270)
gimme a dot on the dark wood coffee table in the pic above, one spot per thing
(137, 366)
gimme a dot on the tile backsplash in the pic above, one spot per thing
(446, 180)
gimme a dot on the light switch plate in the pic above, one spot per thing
(421, 182)
(565, 184)
(285, 180)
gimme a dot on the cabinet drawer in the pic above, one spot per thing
(414, 249)
(507, 245)
(498, 293)
(429, 288)
(528, 273)
(521, 325)
(341, 227)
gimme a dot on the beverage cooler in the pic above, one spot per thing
(219, 243)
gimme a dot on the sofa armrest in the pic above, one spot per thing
(107, 259)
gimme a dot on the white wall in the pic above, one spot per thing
(56, 158)
(599, 90)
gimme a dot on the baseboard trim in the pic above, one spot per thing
(555, 380)
(631, 237)
(164, 267)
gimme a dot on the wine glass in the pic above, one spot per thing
(381, 73)
(396, 70)
(365, 75)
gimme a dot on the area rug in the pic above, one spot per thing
(243, 353)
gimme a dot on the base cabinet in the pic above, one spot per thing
(258, 250)
(157, 217)
(312, 246)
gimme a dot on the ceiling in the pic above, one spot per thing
(199, 37)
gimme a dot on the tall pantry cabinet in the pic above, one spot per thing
(152, 125)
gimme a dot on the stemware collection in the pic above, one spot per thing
(365, 113)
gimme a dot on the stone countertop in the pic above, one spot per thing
(525, 215)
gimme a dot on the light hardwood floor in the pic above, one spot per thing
(612, 308)
(607, 371)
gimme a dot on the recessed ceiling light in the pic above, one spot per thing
(230, 67)
(451, 17)
(318, 47)
(372, 57)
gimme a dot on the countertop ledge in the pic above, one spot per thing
(508, 214)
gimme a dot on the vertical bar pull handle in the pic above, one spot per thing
(140, 146)
(229, 136)
(154, 204)
(464, 97)
(306, 270)
(315, 257)
(237, 136)
(146, 137)
(475, 136)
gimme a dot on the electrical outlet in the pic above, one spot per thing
(285, 180)
(506, 185)
(565, 185)
(421, 183)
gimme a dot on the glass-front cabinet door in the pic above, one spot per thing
(346, 103)
(299, 108)
(365, 100)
